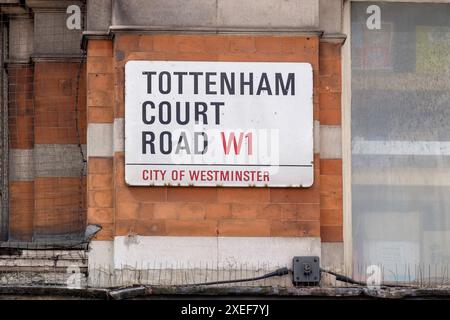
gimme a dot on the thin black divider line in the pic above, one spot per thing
(218, 165)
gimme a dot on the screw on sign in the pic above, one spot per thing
(235, 119)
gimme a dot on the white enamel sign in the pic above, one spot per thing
(218, 124)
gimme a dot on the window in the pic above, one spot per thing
(400, 140)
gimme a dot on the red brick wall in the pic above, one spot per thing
(100, 195)
(55, 90)
(101, 101)
(42, 111)
(21, 137)
(20, 107)
(59, 201)
(330, 169)
(21, 209)
(191, 211)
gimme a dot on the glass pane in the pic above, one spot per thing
(401, 141)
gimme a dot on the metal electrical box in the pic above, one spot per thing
(306, 271)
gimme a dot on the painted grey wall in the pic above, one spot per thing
(20, 38)
(52, 37)
(258, 14)
(330, 16)
(99, 15)
(309, 15)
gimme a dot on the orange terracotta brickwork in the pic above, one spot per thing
(100, 82)
(21, 210)
(330, 87)
(55, 88)
(59, 205)
(20, 106)
(331, 223)
(100, 195)
(190, 211)
(331, 219)
(21, 136)
(59, 201)
(100, 109)
(47, 105)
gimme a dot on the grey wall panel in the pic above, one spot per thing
(268, 14)
(99, 15)
(58, 160)
(52, 37)
(258, 14)
(169, 13)
(20, 38)
(21, 165)
(330, 16)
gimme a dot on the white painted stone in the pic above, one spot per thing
(101, 253)
(330, 142)
(270, 252)
(100, 140)
(130, 260)
(100, 263)
(217, 252)
(316, 138)
(170, 251)
(119, 135)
